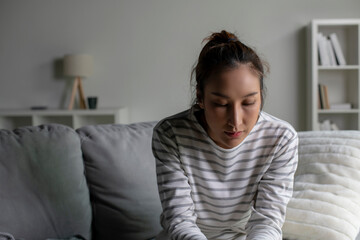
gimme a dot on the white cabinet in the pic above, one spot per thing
(342, 81)
(10, 119)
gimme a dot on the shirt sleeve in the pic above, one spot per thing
(178, 217)
(274, 192)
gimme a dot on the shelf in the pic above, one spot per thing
(336, 111)
(14, 118)
(342, 82)
(336, 22)
(347, 67)
(60, 112)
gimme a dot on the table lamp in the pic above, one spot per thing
(78, 66)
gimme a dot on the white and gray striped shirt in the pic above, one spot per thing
(208, 192)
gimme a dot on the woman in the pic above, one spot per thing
(224, 167)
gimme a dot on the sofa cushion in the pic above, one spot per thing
(326, 199)
(43, 190)
(120, 171)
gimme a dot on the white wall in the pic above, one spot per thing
(144, 49)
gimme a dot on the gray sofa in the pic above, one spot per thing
(99, 182)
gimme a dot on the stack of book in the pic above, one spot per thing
(330, 52)
(340, 106)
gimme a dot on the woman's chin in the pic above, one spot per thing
(231, 143)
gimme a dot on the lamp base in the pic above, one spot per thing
(77, 85)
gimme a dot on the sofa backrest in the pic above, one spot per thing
(121, 175)
(43, 190)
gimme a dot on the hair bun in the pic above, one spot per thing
(232, 39)
(221, 37)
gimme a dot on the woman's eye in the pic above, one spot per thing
(220, 104)
(249, 103)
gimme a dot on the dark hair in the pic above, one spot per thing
(223, 50)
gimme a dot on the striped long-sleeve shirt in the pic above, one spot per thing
(208, 192)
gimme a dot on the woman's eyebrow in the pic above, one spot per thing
(224, 96)
(220, 94)
(250, 94)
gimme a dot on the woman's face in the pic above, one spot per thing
(231, 101)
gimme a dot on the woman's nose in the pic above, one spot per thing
(235, 117)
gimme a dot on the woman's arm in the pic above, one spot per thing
(274, 192)
(178, 218)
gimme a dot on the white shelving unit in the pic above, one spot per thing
(10, 119)
(342, 81)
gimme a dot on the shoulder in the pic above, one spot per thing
(269, 124)
(168, 124)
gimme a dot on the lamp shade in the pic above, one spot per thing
(78, 65)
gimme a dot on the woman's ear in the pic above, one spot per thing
(199, 99)
(201, 105)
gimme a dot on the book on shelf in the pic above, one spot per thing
(326, 96)
(322, 50)
(340, 106)
(337, 49)
(320, 104)
(323, 97)
(329, 50)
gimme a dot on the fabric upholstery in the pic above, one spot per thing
(326, 199)
(43, 190)
(6, 236)
(120, 170)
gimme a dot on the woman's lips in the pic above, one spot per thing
(233, 134)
